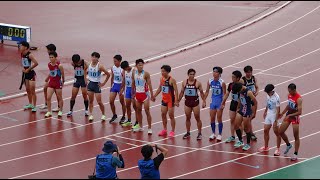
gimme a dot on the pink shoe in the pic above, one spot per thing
(277, 152)
(263, 149)
(171, 134)
(163, 132)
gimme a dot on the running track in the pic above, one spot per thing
(282, 48)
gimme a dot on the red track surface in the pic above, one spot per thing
(33, 147)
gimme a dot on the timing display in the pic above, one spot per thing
(15, 32)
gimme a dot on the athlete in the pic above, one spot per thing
(293, 111)
(56, 81)
(218, 87)
(236, 77)
(251, 82)
(271, 116)
(80, 80)
(244, 114)
(127, 90)
(116, 82)
(29, 62)
(169, 89)
(141, 86)
(94, 85)
(189, 89)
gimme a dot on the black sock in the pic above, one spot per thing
(288, 144)
(296, 153)
(72, 102)
(86, 104)
(129, 120)
(232, 136)
(238, 131)
(248, 137)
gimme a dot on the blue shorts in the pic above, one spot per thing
(245, 111)
(128, 93)
(115, 88)
(94, 87)
(215, 103)
(79, 82)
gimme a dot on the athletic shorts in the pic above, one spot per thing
(55, 84)
(30, 75)
(270, 119)
(293, 120)
(79, 82)
(94, 87)
(168, 104)
(128, 94)
(215, 104)
(245, 111)
(141, 97)
(116, 87)
(191, 104)
(233, 106)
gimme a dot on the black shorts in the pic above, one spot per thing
(191, 104)
(233, 106)
(30, 75)
(252, 103)
(246, 114)
(94, 87)
(79, 82)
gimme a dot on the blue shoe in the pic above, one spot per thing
(238, 144)
(246, 147)
(287, 149)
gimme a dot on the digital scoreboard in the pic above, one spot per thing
(16, 33)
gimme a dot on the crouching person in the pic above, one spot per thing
(149, 168)
(107, 162)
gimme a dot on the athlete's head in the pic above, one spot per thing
(76, 59)
(147, 151)
(217, 71)
(236, 87)
(53, 57)
(24, 46)
(125, 65)
(236, 76)
(248, 70)
(292, 88)
(165, 70)
(139, 64)
(117, 60)
(269, 89)
(95, 57)
(51, 48)
(191, 73)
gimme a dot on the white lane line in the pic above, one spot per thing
(276, 75)
(70, 122)
(9, 118)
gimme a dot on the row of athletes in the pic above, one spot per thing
(135, 89)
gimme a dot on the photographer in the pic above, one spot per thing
(107, 163)
(149, 168)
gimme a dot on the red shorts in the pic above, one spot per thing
(293, 120)
(55, 84)
(141, 97)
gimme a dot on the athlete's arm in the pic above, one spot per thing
(112, 78)
(206, 95)
(62, 73)
(148, 80)
(123, 83)
(34, 64)
(284, 111)
(299, 112)
(224, 89)
(133, 86)
(253, 98)
(85, 73)
(102, 69)
(175, 88)
(225, 97)
(265, 112)
(158, 90)
(257, 87)
(182, 91)
(201, 90)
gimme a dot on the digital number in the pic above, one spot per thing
(22, 33)
(165, 89)
(216, 91)
(10, 31)
(16, 32)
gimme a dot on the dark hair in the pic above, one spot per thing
(219, 69)
(292, 86)
(139, 61)
(236, 87)
(118, 57)
(247, 69)
(269, 88)
(237, 73)
(53, 54)
(147, 151)
(25, 44)
(191, 70)
(76, 58)
(95, 54)
(124, 64)
(51, 47)
(167, 68)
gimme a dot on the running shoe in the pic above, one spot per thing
(230, 139)
(29, 106)
(149, 131)
(238, 144)
(199, 137)
(294, 157)
(103, 117)
(48, 114)
(122, 120)
(56, 109)
(90, 118)
(114, 117)
(134, 124)
(277, 152)
(212, 137)
(219, 137)
(287, 149)
(34, 109)
(59, 113)
(246, 147)
(263, 149)
(69, 114)
(163, 132)
(171, 134)
(137, 128)
(187, 135)
(44, 107)
(253, 137)
(127, 123)
(86, 113)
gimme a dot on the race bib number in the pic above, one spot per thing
(79, 72)
(93, 74)
(165, 89)
(117, 78)
(216, 91)
(25, 62)
(139, 82)
(190, 92)
(252, 88)
(128, 82)
(270, 105)
(234, 97)
(243, 101)
(292, 105)
(53, 73)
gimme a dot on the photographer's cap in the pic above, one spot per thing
(109, 147)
